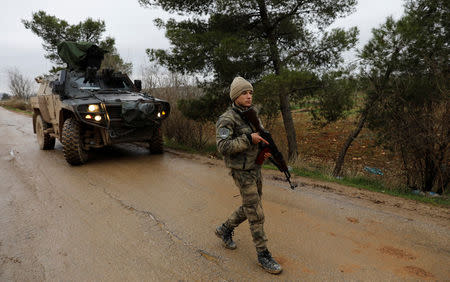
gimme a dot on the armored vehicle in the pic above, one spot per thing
(86, 108)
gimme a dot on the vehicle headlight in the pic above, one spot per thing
(92, 113)
(163, 110)
(96, 117)
(93, 108)
(161, 114)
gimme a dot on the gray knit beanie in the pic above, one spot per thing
(238, 86)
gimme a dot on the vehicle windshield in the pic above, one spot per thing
(79, 82)
(113, 83)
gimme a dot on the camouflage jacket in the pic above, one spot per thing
(234, 141)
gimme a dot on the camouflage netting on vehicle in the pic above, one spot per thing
(137, 113)
(81, 55)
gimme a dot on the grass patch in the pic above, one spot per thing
(209, 149)
(17, 105)
(11, 108)
(368, 184)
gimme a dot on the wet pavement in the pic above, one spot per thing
(128, 215)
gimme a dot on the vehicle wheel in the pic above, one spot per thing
(45, 141)
(156, 143)
(72, 143)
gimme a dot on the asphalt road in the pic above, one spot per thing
(128, 215)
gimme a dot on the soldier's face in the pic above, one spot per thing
(245, 99)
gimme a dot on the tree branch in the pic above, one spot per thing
(290, 14)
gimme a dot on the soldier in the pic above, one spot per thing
(238, 143)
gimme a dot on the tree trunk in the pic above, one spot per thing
(285, 108)
(409, 183)
(340, 160)
(288, 126)
(362, 119)
(429, 173)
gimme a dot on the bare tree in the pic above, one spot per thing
(19, 85)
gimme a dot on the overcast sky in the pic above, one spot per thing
(130, 24)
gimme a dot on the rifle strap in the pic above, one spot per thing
(244, 118)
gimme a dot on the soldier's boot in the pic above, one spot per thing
(270, 265)
(226, 234)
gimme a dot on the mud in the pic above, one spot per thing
(400, 254)
(128, 215)
(417, 271)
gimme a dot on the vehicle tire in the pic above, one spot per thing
(72, 143)
(156, 143)
(45, 141)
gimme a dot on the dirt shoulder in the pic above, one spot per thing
(380, 200)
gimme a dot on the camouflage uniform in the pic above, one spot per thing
(235, 143)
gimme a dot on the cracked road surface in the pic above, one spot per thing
(128, 215)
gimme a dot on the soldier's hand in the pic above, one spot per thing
(267, 155)
(256, 138)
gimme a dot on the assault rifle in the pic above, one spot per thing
(277, 159)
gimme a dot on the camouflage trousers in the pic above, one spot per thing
(250, 186)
